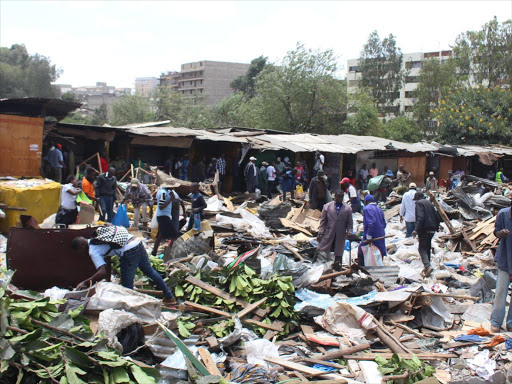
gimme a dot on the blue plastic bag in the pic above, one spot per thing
(121, 218)
(197, 221)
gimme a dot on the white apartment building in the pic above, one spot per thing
(412, 63)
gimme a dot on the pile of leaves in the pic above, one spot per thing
(243, 282)
(39, 344)
(397, 366)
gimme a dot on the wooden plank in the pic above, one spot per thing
(293, 251)
(441, 212)
(293, 366)
(389, 355)
(213, 343)
(208, 362)
(220, 293)
(203, 308)
(272, 327)
(251, 307)
(289, 224)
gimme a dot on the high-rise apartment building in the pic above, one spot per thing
(412, 64)
(206, 82)
(145, 86)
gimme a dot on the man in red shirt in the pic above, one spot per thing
(104, 163)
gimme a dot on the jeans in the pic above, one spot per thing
(107, 208)
(270, 188)
(409, 226)
(138, 257)
(425, 247)
(500, 301)
(364, 185)
(136, 214)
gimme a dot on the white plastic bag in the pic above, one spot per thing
(154, 222)
(112, 321)
(257, 350)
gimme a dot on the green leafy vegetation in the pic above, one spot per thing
(396, 366)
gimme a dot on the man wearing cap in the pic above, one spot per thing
(407, 209)
(427, 223)
(431, 182)
(251, 175)
(140, 196)
(263, 178)
(353, 196)
(335, 225)
(319, 194)
(374, 226)
(56, 161)
(166, 230)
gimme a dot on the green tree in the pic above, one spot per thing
(381, 69)
(476, 116)
(302, 94)
(485, 56)
(24, 75)
(247, 83)
(69, 96)
(363, 117)
(131, 109)
(100, 115)
(236, 110)
(169, 105)
(402, 128)
(77, 118)
(436, 79)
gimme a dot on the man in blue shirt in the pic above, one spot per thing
(56, 161)
(132, 255)
(503, 259)
(221, 167)
(166, 230)
(374, 226)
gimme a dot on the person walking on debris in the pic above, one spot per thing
(427, 224)
(271, 178)
(221, 167)
(384, 189)
(117, 241)
(140, 196)
(198, 205)
(68, 211)
(335, 225)
(319, 194)
(166, 231)
(407, 209)
(106, 192)
(503, 259)
(374, 226)
(431, 182)
(263, 178)
(353, 197)
(251, 175)
(288, 183)
(175, 218)
(56, 161)
(402, 176)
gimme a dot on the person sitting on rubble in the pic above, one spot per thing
(374, 226)
(431, 182)
(335, 225)
(117, 241)
(68, 210)
(503, 259)
(426, 225)
(106, 192)
(166, 231)
(353, 197)
(198, 205)
(140, 196)
(319, 194)
(212, 169)
(288, 182)
(407, 209)
(251, 175)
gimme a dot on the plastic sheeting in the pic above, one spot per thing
(111, 322)
(248, 223)
(346, 319)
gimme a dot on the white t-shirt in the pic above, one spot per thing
(351, 192)
(319, 164)
(271, 173)
(67, 200)
(98, 252)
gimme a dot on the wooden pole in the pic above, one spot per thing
(99, 162)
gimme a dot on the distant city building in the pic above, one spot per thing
(145, 86)
(412, 64)
(206, 82)
(93, 96)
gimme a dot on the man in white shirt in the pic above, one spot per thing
(407, 209)
(271, 177)
(319, 163)
(68, 211)
(363, 177)
(131, 256)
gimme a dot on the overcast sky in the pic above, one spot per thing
(117, 41)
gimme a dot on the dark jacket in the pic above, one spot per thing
(427, 218)
(106, 186)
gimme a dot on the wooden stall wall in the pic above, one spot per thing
(416, 164)
(21, 142)
(445, 165)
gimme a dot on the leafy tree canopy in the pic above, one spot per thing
(363, 117)
(247, 83)
(402, 128)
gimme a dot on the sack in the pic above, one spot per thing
(115, 236)
(197, 221)
(121, 218)
(299, 188)
(374, 183)
(154, 222)
(82, 198)
(372, 256)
